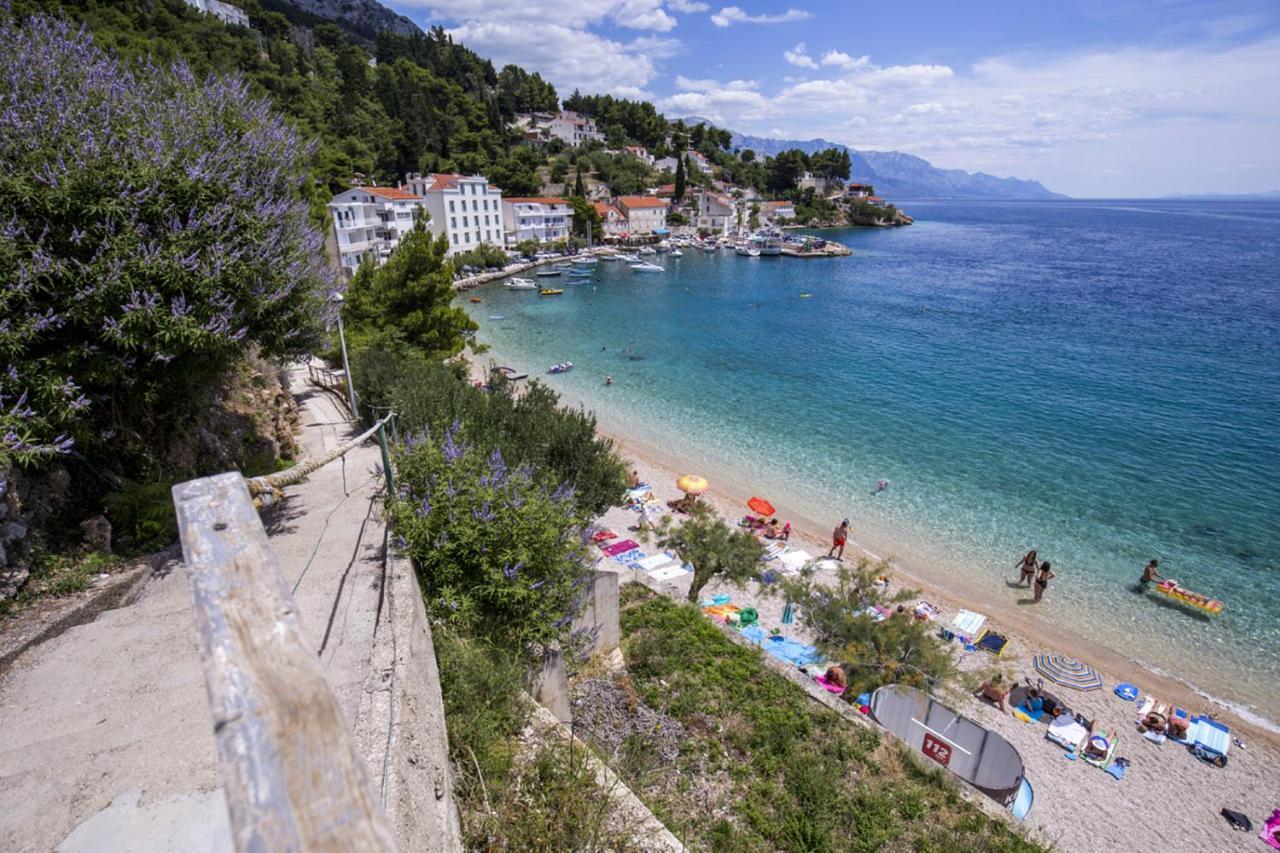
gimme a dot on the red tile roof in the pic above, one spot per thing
(391, 193)
(605, 209)
(638, 201)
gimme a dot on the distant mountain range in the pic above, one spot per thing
(899, 175)
(362, 18)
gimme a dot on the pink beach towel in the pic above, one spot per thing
(618, 547)
(1270, 832)
(830, 688)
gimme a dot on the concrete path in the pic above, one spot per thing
(106, 737)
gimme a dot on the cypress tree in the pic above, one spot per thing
(579, 189)
(679, 193)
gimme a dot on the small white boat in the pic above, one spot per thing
(753, 252)
(521, 284)
(710, 248)
(645, 266)
(551, 273)
(647, 250)
(676, 253)
(610, 257)
(585, 259)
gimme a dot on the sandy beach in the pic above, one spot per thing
(1167, 798)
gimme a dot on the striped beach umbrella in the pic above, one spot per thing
(1068, 672)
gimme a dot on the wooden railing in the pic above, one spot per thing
(330, 380)
(293, 777)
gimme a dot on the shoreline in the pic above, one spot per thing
(811, 534)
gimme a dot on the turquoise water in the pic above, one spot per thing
(1097, 380)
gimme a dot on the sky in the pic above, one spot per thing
(1094, 98)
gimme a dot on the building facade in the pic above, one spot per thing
(573, 129)
(716, 212)
(541, 219)
(777, 212)
(613, 220)
(465, 208)
(369, 222)
(645, 214)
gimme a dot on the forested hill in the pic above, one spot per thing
(364, 19)
(427, 103)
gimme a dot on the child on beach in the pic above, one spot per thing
(838, 537)
(1027, 568)
(1042, 580)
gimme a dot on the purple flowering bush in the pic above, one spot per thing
(497, 553)
(151, 231)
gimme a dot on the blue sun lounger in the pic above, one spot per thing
(1210, 740)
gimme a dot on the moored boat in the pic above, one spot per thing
(550, 291)
(644, 266)
(520, 284)
(551, 273)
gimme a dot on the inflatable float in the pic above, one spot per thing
(1170, 591)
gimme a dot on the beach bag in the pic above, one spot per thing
(1237, 820)
(748, 616)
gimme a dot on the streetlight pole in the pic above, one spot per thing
(336, 298)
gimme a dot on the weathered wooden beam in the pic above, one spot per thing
(292, 776)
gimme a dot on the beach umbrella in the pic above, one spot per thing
(692, 484)
(788, 614)
(761, 507)
(1068, 672)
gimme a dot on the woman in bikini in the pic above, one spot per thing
(1042, 580)
(1027, 568)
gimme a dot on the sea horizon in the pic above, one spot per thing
(1056, 380)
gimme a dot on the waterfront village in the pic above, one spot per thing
(686, 199)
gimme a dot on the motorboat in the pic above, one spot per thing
(644, 266)
(753, 252)
(551, 273)
(521, 284)
(550, 291)
(476, 300)
(771, 246)
(610, 257)
(585, 259)
(647, 250)
(562, 367)
(511, 373)
(676, 253)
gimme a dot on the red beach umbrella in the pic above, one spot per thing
(761, 507)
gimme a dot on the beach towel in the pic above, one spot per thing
(968, 624)
(992, 642)
(619, 547)
(772, 552)
(669, 572)
(1127, 692)
(655, 561)
(632, 556)
(1155, 737)
(603, 536)
(794, 560)
(1066, 732)
(1210, 740)
(828, 686)
(926, 612)
(756, 634)
(791, 651)
(1270, 832)
(1117, 768)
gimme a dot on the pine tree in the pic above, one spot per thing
(579, 190)
(679, 193)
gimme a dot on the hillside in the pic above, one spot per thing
(364, 19)
(898, 175)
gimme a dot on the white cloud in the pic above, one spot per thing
(797, 56)
(570, 58)
(730, 15)
(643, 15)
(844, 60)
(1159, 120)
(687, 83)
(687, 6)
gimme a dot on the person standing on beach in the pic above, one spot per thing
(1042, 579)
(1027, 568)
(838, 537)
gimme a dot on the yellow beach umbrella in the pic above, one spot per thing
(692, 484)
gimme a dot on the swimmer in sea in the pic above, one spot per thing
(881, 486)
(1150, 575)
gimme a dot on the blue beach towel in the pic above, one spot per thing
(1127, 692)
(1116, 769)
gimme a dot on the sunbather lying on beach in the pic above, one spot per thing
(1177, 727)
(835, 675)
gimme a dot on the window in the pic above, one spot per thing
(453, 222)
(474, 205)
(464, 222)
(451, 205)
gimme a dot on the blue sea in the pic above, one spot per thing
(1099, 380)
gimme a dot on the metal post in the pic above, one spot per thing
(386, 462)
(337, 298)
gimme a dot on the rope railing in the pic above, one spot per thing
(269, 488)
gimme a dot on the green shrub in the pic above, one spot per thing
(497, 552)
(142, 517)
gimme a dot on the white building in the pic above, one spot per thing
(224, 12)
(612, 220)
(702, 164)
(645, 214)
(666, 164)
(821, 186)
(542, 219)
(717, 212)
(465, 208)
(573, 129)
(369, 222)
(640, 153)
(777, 212)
